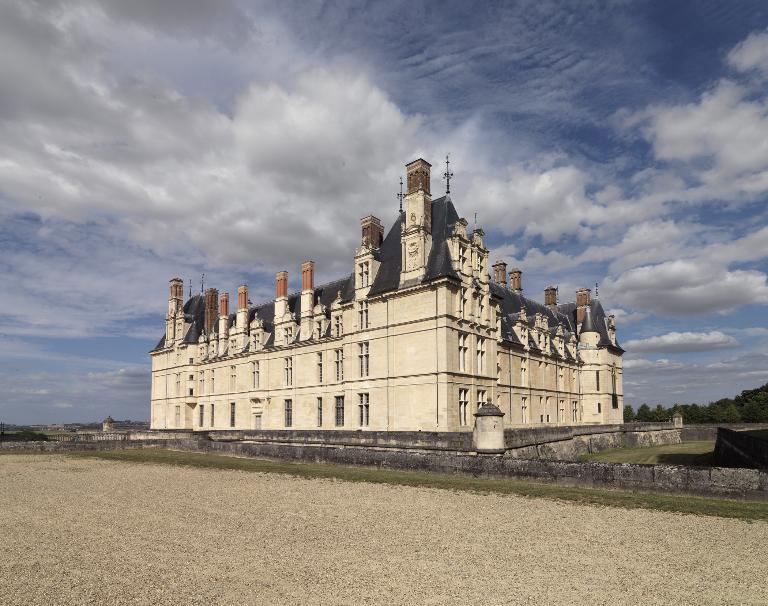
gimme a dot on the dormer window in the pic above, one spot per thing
(287, 335)
(462, 257)
(319, 328)
(364, 274)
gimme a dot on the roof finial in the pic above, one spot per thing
(190, 288)
(475, 219)
(401, 195)
(202, 284)
(447, 175)
(596, 293)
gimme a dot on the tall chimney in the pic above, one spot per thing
(550, 297)
(500, 272)
(418, 176)
(418, 199)
(281, 294)
(582, 302)
(211, 309)
(224, 324)
(516, 279)
(308, 276)
(242, 297)
(373, 232)
(224, 305)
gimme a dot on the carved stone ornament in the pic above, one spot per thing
(413, 255)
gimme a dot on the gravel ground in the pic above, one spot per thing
(79, 531)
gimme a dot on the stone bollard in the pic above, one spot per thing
(677, 419)
(488, 434)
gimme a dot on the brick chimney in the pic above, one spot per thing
(281, 294)
(418, 199)
(418, 176)
(224, 323)
(500, 272)
(516, 279)
(373, 232)
(242, 313)
(550, 297)
(582, 301)
(307, 299)
(211, 306)
(307, 276)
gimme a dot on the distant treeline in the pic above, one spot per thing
(751, 406)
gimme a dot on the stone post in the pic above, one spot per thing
(677, 419)
(488, 434)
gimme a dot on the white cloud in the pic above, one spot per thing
(751, 53)
(624, 317)
(681, 342)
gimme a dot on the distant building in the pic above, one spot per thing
(108, 424)
(416, 338)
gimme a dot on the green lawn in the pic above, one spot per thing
(728, 508)
(687, 453)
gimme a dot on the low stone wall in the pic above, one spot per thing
(740, 449)
(697, 433)
(708, 481)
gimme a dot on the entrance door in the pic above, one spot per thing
(257, 421)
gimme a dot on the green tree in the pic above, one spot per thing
(629, 414)
(644, 413)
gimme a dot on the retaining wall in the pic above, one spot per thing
(740, 449)
(711, 481)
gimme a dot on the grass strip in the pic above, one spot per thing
(629, 499)
(685, 453)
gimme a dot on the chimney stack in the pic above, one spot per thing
(550, 297)
(582, 302)
(373, 232)
(418, 176)
(500, 272)
(224, 305)
(307, 276)
(281, 284)
(281, 295)
(224, 324)
(242, 297)
(211, 309)
(516, 279)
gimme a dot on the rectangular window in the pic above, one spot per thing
(338, 325)
(575, 411)
(463, 302)
(191, 391)
(232, 378)
(178, 417)
(363, 359)
(339, 411)
(178, 384)
(232, 411)
(202, 382)
(599, 408)
(363, 315)
(523, 372)
(202, 414)
(287, 335)
(524, 410)
(597, 381)
(480, 355)
(463, 351)
(213, 380)
(288, 362)
(480, 397)
(320, 367)
(561, 412)
(319, 412)
(289, 413)
(462, 258)
(364, 410)
(463, 406)
(364, 274)
(339, 353)
(191, 360)
(213, 415)
(319, 329)
(255, 374)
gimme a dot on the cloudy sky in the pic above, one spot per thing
(623, 143)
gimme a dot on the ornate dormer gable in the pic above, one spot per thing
(479, 255)
(366, 255)
(258, 336)
(460, 248)
(610, 323)
(521, 327)
(320, 327)
(337, 317)
(202, 347)
(560, 340)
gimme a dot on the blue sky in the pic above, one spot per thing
(619, 143)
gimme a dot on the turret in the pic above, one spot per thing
(416, 237)
(175, 311)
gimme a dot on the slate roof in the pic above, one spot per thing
(439, 265)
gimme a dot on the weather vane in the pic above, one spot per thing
(202, 283)
(401, 195)
(596, 293)
(447, 175)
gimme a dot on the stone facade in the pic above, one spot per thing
(417, 338)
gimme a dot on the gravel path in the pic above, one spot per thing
(79, 531)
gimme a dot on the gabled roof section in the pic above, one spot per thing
(439, 264)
